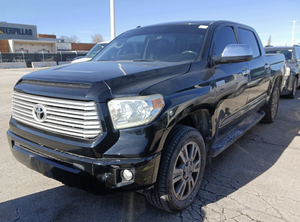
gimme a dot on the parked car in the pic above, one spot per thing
(97, 48)
(148, 112)
(291, 79)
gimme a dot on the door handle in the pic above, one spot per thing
(246, 72)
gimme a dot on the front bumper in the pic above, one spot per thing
(97, 175)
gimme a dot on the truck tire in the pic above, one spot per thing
(293, 92)
(271, 107)
(181, 170)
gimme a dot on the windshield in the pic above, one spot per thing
(173, 43)
(97, 48)
(288, 53)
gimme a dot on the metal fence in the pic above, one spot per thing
(40, 57)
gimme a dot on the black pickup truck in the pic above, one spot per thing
(291, 80)
(148, 112)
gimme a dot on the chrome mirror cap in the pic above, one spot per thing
(234, 53)
(237, 50)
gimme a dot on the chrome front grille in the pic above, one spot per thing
(68, 117)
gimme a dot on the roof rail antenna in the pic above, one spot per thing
(138, 27)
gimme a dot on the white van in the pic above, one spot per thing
(97, 48)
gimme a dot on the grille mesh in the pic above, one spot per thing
(68, 117)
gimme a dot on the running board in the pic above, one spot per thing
(229, 138)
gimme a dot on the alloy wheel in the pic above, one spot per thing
(186, 170)
(275, 100)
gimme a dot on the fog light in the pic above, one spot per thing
(127, 174)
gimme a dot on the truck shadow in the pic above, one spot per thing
(71, 204)
(250, 157)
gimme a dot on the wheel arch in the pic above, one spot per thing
(201, 120)
(180, 153)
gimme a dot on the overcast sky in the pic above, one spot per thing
(85, 18)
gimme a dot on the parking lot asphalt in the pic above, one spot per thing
(255, 179)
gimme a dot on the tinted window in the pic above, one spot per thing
(250, 39)
(171, 43)
(224, 37)
(288, 53)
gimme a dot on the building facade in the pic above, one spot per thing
(24, 38)
(15, 38)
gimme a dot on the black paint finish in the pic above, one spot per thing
(212, 98)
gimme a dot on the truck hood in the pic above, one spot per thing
(99, 81)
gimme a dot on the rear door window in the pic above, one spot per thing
(248, 37)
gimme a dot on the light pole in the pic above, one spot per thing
(293, 39)
(112, 19)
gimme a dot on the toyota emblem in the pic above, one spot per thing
(39, 113)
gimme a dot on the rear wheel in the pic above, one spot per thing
(271, 107)
(181, 170)
(293, 92)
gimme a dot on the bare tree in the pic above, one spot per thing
(73, 38)
(97, 38)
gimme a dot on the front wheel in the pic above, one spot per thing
(181, 170)
(271, 107)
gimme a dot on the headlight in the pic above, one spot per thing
(129, 112)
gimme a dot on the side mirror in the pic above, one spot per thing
(234, 53)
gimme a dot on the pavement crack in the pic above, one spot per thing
(198, 210)
(264, 142)
(296, 124)
(223, 180)
(17, 216)
(269, 205)
(260, 139)
(279, 211)
(180, 216)
(246, 215)
(281, 198)
(247, 208)
(192, 215)
(2, 137)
